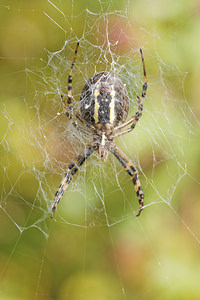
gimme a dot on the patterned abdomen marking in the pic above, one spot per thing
(104, 100)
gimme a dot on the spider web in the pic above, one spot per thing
(38, 142)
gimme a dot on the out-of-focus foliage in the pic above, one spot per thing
(154, 257)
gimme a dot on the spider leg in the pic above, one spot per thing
(81, 129)
(131, 170)
(135, 118)
(69, 109)
(75, 124)
(73, 167)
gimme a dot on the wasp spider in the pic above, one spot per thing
(104, 106)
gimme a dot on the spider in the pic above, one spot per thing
(104, 106)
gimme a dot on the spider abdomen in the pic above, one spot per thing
(104, 100)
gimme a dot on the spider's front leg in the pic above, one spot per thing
(131, 170)
(71, 170)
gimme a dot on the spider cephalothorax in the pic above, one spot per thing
(104, 106)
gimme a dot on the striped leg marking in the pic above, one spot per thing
(140, 100)
(68, 110)
(131, 170)
(135, 118)
(73, 167)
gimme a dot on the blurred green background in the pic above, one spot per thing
(95, 247)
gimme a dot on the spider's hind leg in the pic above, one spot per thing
(68, 109)
(135, 118)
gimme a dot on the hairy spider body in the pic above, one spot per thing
(104, 100)
(104, 106)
